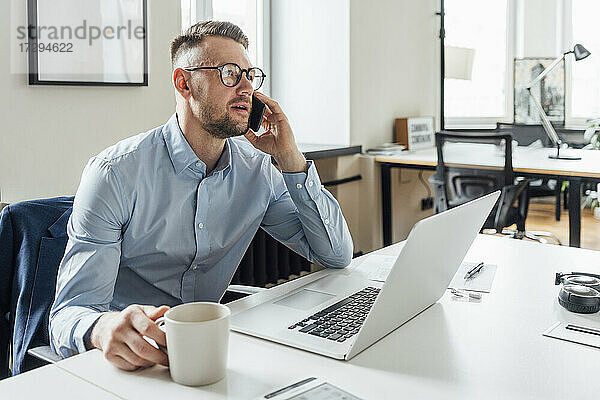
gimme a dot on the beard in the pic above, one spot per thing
(223, 127)
(219, 126)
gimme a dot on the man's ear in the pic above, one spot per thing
(180, 82)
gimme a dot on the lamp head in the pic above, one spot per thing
(580, 52)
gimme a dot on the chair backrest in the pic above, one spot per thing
(524, 135)
(32, 241)
(454, 183)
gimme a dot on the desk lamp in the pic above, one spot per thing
(580, 53)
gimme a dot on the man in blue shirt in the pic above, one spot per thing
(165, 216)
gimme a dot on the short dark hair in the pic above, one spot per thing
(196, 33)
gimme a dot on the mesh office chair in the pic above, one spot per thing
(454, 184)
(525, 135)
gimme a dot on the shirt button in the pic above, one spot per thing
(326, 221)
(299, 186)
(310, 183)
(200, 225)
(199, 164)
(194, 267)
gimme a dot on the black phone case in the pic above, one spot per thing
(256, 115)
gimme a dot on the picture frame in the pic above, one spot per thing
(550, 91)
(101, 43)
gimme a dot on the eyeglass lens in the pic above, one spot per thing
(231, 75)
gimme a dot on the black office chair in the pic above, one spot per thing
(455, 184)
(525, 135)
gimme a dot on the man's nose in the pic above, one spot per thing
(245, 86)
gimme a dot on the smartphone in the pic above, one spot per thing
(256, 115)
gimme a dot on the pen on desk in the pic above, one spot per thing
(474, 271)
(290, 387)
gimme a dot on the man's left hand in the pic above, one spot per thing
(278, 140)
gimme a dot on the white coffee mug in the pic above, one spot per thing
(197, 342)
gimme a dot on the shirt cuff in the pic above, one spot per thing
(83, 330)
(304, 185)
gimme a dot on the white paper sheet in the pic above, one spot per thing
(482, 282)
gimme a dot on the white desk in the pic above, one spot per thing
(454, 350)
(526, 161)
(50, 382)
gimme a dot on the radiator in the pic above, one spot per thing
(268, 262)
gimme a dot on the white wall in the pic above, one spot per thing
(49, 132)
(310, 67)
(398, 39)
(327, 55)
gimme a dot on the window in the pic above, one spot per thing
(585, 76)
(243, 13)
(186, 14)
(481, 25)
(498, 31)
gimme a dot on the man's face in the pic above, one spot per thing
(212, 103)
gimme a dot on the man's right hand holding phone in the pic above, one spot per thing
(278, 140)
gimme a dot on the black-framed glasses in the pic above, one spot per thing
(231, 74)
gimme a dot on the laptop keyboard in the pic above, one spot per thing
(341, 320)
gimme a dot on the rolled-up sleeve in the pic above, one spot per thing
(88, 271)
(304, 216)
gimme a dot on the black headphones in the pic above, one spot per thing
(580, 292)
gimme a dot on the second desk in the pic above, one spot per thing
(527, 162)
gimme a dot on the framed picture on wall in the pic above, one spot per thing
(550, 91)
(87, 42)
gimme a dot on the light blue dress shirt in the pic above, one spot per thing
(150, 226)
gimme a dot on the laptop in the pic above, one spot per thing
(341, 314)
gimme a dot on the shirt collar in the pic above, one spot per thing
(224, 162)
(182, 155)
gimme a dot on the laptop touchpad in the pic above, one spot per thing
(305, 299)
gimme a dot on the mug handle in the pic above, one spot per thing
(162, 325)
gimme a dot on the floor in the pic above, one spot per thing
(541, 218)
